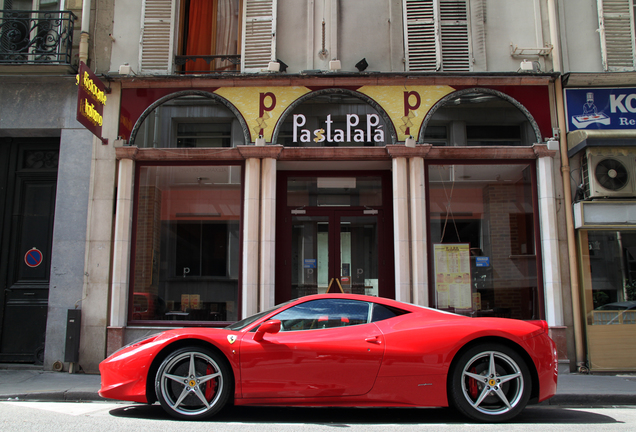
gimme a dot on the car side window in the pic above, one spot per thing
(382, 312)
(324, 313)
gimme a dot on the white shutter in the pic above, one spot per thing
(422, 35)
(157, 30)
(455, 38)
(437, 35)
(616, 30)
(259, 35)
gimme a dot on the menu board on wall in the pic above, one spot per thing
(452, 275)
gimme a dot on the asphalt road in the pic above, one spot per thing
(123, 417)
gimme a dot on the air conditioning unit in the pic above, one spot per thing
(609, 172)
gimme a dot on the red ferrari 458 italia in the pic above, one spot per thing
(341, 350)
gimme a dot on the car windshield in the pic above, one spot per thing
(239, 325)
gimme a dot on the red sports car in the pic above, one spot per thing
(341, 350)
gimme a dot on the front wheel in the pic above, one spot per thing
(193, 383)
(490, 383)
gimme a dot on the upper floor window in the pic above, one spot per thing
(209, 35)
(616, 29)
(437, 35)
(35, 32)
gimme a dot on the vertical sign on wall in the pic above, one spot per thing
(91, 99)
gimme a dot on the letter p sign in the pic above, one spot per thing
(263, 106)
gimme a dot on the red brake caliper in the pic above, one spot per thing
(210, 385)
(472, 385)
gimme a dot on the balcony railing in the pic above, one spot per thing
(218, 63)
(36, 37)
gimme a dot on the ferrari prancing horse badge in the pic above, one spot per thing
(231, 339)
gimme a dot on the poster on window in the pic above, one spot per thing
(452, 275)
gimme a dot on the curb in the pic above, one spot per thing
(594, 400)
(70, 396)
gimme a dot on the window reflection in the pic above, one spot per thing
(190, 121)
(483, 240)
(611, 298)
(479, 119)
(187, 243)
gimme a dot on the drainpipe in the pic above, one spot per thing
(567, 189)
(569, 222)
(84, 36)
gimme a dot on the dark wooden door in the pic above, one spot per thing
(29, 185)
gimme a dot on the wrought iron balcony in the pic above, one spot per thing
(36, 37)
(219, 63)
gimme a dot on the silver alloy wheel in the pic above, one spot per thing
(190, 383)
(492, 383)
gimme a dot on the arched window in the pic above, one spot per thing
(479, 117)
(189, 120)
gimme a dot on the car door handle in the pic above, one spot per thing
(374, 340)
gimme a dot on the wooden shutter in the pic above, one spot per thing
(455, 39)
(423, 51)
(616, 28)
(157, 30)
(259, 35)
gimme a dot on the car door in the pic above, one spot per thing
(326, 348)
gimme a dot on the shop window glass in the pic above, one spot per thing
(608, 268)
(483, 240)
(610, 262)
(190, 121)
(204, 134)
(334, 191)
(186, 254)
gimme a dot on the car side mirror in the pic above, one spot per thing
(270, 326)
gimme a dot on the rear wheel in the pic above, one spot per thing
(490, 383)
(193, 383)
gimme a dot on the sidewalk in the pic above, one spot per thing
(33, 384)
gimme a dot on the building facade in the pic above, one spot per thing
(45, 169)
(598, 118)
(261, 150)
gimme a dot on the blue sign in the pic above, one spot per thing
(309, 263)
(481, 261)
(600, 108)
(33, 257)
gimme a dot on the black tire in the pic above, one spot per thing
(490, 383)
(193, 383)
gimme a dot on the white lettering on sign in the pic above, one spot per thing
(373, 133)
(627, 122)
(622, 103)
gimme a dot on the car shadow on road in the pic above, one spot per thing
(348, 416)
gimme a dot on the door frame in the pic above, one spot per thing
(386, 271)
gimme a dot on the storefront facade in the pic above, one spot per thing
(233, 197)
(601, 147)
